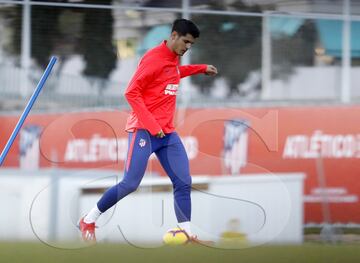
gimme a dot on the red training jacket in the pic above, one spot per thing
(152, 90)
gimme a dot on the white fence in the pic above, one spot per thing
(71, 91)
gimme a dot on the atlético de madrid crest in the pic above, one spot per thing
(142, 142)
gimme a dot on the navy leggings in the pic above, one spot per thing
(172, 156)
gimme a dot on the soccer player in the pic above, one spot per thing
(151, 94)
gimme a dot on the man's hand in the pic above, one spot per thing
(211, 70)
(160, 134)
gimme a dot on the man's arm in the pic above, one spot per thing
(188, 70)
(142, 77)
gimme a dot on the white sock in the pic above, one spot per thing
(92, 216)
(186, 226)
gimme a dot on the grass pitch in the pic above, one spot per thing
(106, 253)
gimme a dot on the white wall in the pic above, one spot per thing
(17, 193)
(269, 207)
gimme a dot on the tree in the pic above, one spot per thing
(96, 43)
(13, 16)
(295, 50)
(90, 35)
(232, 43)
(44, 32)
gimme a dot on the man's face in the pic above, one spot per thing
(181, 43)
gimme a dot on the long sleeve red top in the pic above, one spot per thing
(152, 90)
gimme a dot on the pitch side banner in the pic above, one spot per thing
(323, 142)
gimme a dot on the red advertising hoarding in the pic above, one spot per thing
(220, 142)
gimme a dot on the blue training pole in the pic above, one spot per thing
(27, 109)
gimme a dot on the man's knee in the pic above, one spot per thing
(183, 183)
(130, 186)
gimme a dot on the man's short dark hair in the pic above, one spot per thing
(183, 26)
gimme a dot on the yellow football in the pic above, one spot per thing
(176, 236)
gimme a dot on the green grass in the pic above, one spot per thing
(103, 253)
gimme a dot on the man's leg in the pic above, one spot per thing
(135, 166)
(139, 151)
(174, 160)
